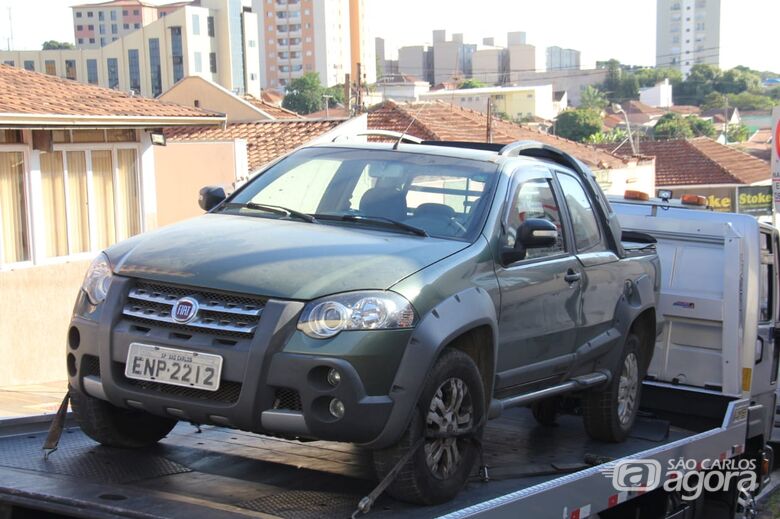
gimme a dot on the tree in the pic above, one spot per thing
(738, 79)
(337, 95)
(619, 86)
(578, 124)
(304, 94)
(471, 83)
(616, 135)
(699, 83)
(672, 126)
(751, 101)
(715, 101)
(649, 77)
(701, 127)
(56, 45)
(593, 98)
(737, 133)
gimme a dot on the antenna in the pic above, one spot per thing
(414, 118)
(10, 30)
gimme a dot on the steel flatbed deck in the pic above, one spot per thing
(216, 472)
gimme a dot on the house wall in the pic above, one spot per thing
(211, 96)
(184, 168)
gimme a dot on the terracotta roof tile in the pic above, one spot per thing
(336, 111)
(24, 92)
(271, 109)
(446, 122)
(700, 161)
(266, 140)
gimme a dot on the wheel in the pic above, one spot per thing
(545, 411)
(610, 412)
(452, 401)
(117, 427)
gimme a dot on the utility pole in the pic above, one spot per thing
(359, 88)
(327, 99)
(348, 93)
(489, 136)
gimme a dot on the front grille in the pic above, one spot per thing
(288, 399)
(219, 313)
(90, 365)
(228, 392)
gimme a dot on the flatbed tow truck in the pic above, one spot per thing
(532, 471)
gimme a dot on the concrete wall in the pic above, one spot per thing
(573, 82)
(487, 65)
(35, 310)
(183, 168)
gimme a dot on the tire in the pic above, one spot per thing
(605, 418)
(545, 411)
(116, 427)
(418, 482)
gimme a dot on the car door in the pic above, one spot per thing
(602, 283)
(540, 294)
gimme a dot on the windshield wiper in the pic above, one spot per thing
(276, 209)
(374, 219)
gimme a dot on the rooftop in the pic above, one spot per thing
(439, 121)
(266, 140)
(118, 3)
(275, 111)
(486, 90)
(700, 161)
(33, 98)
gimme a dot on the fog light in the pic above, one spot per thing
(336, 408)
(334, 377)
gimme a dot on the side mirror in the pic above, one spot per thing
(534, 233)
(210, 197)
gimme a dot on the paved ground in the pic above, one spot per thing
(31, 399)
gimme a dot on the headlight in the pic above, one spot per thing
(97, 280)
(374, 310)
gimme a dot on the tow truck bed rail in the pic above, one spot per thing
(536, 472)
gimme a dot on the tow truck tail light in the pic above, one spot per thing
(631, 194)
(693, 200)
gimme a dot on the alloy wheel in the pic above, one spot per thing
(450, 417)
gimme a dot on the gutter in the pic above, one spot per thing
(47, 121)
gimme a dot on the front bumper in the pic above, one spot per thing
(253, 374)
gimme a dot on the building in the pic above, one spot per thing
(687, 33)
(722, 118)
(97, 25)
(401, 88)
(659, 96)
(732, 180)
(77, 174)
(449, 58)
(216, 39)
(325, 36)
(514, 102)
(440, 121)
(562, 59)
(489, 65)
(416, 61)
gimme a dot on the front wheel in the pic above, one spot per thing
(610, 412)
(449, 415)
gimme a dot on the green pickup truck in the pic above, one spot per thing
(393, 295)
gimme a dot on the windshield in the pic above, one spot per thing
(443, 196)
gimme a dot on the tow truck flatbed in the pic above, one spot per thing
(220, 472)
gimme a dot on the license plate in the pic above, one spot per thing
(174, 367)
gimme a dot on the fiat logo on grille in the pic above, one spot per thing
(185, 310)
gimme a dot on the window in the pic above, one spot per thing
(90, 27)
(126, 26)
(136, 12)
(101, 15)
(113, 72)
(177, 56)
(137, 26)
(113, 16)
(102, 41)
(50, 67)
(534, 198)
(70, 69)
(124, 12)
(195, 24)
(79, 27)
(114, 28)
(154, 66)
(583, 219)
(252, 44)
(198, 58)
(700, 26)
(14, 232)
(134, 68)
(78, 15)
(766, 278)
(102, 29)
(90, 14)
(213, 62)
(29, 65)
(9, 62)
(92, 40)
(81, 40)
(92, 72)
(210, 25)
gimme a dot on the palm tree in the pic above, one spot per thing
(593, 98)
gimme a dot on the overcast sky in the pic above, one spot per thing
(601, 29)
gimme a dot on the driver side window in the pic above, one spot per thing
(534, 198)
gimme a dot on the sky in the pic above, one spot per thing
(601, 29)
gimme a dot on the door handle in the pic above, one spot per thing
(572, 277)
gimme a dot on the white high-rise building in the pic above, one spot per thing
(325, 36)
(687, 33)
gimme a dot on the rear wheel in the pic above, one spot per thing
(117, 427)
(545, 411)
(452, 404)
(610, 412)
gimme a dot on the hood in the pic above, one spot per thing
(276, 258)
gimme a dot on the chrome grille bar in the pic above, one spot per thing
(170, 300)
(202, 322)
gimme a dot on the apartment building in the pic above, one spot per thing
(562, 59)
(216, 39)
(325, 36)
(97, 25)
(687, 33)
(514, 102)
